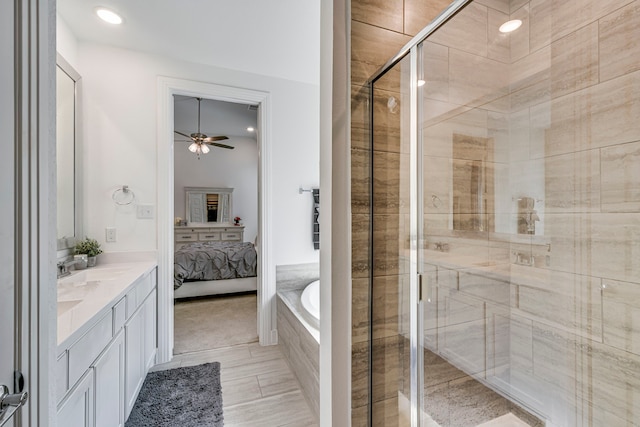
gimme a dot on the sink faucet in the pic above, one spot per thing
(524, 259)
(441, 246)
(64, 267)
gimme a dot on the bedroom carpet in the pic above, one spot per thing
(185, 397)
(208, 323)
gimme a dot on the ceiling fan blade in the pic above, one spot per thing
(183, 134)
(221, 145)
(215, 138)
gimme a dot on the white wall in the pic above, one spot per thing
(237, 169)
(120, 114)
(273, 38)
(66, 42)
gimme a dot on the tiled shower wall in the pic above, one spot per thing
(559, 105)
(550, 318)
(379, 29)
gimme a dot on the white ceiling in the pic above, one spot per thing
(273, 38)
(216, 118)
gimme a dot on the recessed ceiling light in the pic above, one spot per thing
(108, 16)
(250, 129)
(510, 26)
(421, 83)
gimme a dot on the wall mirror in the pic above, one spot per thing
(208, 205)
(473, 183)
(68, 155)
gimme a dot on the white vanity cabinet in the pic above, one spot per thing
(140, 333)
(77, 410)
(134, 364)
(99, 374)
(109, 371)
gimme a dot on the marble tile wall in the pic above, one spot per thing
(379, 28)
(560, 101)
(390, 243)
(302, 352)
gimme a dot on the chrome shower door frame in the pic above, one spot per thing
(413, 49)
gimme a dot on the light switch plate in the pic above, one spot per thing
(145, 211)
(110, 234)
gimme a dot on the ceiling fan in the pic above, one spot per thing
(199, 141)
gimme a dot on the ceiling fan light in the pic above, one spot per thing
(193, 147)
(204, 148)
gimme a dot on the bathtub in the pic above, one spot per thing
(299, 336)
(310, 300)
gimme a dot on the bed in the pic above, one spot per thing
(213, 268)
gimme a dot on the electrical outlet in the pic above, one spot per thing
(145, 211)
(110, 234)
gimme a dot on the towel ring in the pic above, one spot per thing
(304, 190)
(123, 196)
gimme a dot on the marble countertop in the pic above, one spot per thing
(501, 271)
(86, 295)
(464, 262)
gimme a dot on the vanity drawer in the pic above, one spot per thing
(62, 376)
(136, 296)
(86, 349)
(230, 236)
(208, 237)
(192, 237)
(119, 315)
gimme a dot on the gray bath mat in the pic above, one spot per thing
(185, 397)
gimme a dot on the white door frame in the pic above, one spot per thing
(29, 144)
(167, 87)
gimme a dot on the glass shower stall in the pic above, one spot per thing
(505, 218)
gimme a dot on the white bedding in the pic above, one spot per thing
(216, 287)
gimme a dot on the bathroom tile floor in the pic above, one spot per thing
(258, 387)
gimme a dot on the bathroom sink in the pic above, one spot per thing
(77, 290)
(64, 306)
(102, 274)
(484, 264)
(79, 283)
(91, 275)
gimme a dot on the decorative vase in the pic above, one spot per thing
(91, 261)
(81, 261)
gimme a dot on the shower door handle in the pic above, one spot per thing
(424, 290)
(10, 403)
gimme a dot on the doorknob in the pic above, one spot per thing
(10, 403)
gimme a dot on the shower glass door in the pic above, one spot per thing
(506, 219)
(391, 278)
(530, 188)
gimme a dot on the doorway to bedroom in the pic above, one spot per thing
(215, 223)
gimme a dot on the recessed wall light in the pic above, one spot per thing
(108, 16)
(250, 129)
(421, 83)
(510, 26)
